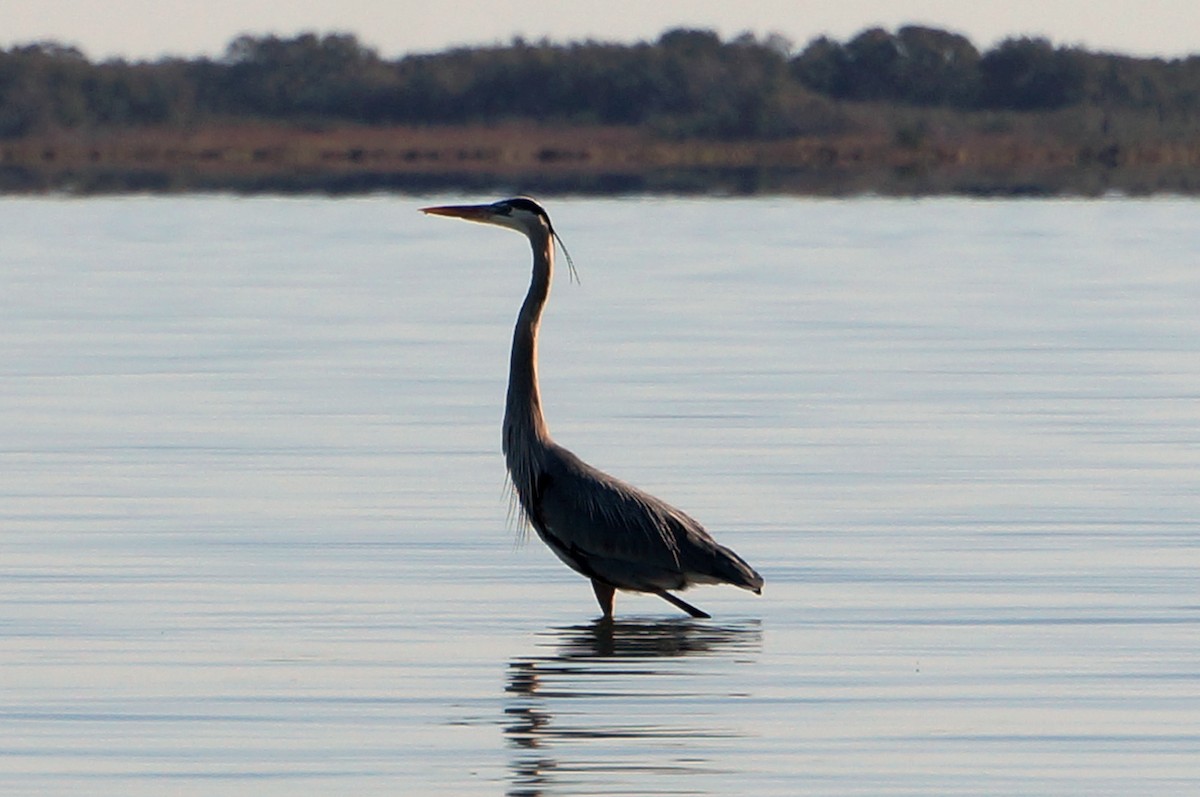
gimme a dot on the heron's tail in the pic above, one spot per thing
(732, 569)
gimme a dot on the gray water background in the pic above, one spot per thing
(254, 532)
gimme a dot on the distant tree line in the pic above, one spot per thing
(928, 67)
(687, 83)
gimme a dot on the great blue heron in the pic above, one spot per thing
(610, 531)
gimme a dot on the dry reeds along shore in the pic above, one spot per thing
(911, 160)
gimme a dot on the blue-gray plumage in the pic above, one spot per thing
(610, 531)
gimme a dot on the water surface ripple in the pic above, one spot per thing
(253, 530)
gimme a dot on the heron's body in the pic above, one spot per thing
(615, 534)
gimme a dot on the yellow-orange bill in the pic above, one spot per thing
(469, 212)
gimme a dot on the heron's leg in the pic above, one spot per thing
(682, 604)
(605, 594)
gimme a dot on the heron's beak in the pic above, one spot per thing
(469, 212)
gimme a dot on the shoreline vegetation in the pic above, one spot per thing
(591, 160)
(912, 113)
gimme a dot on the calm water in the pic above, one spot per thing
(254, 519)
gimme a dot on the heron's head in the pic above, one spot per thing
(519, 213)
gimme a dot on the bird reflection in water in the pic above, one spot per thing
(624, 700)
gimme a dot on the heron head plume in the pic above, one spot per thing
(520, 213)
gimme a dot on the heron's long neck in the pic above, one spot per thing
(524, 425)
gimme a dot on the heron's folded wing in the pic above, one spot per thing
(629, 537)
(626, 536)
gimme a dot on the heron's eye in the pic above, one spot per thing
(503, 208)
